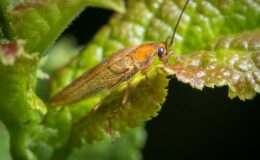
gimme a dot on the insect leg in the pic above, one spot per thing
(59, 110)
(124, 100)
(146, 82)
(115, 112)
(110, 129)
(145, 70)
(97, 106)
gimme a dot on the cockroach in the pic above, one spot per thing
(119, 68)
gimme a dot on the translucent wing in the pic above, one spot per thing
(105, 76)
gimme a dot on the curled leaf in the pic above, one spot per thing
(234, 61)
(20, 108)
(39, 23)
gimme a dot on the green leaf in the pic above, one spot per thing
(144, 101)
(4, 145)
(146, 21)
(117, 5)
(109, 39)
(126, 147)
(232, 60)
(20, 108)
(39, 23)
(210, 19)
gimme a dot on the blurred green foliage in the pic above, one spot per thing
(4, 143)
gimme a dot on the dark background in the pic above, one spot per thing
(192, 124)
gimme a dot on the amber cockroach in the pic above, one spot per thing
(120, 67)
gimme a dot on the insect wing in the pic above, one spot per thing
(105, 76)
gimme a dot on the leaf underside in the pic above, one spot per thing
(231, 60)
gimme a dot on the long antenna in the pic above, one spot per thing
(177, 24)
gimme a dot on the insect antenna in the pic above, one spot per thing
(176, 26)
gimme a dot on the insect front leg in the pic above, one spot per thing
(147, 84)
(144, 70)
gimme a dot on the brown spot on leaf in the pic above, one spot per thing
(10, 50)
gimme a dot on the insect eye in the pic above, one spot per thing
(161, 51)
